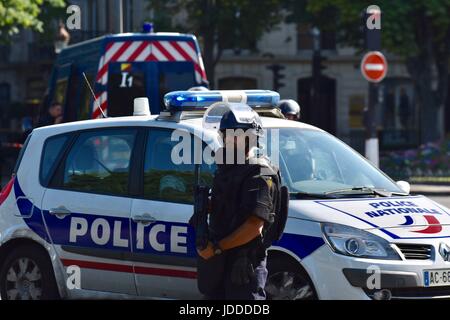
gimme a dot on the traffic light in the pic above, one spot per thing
(277, 75)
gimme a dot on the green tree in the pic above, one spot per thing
(416, 30)
(220, 24)
(28, 14)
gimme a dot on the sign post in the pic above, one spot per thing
(374, 66)
(373, 69)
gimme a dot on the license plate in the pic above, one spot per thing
(436, 278)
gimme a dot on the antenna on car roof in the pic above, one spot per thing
(93, 95)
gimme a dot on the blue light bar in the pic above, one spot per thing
(195, 100)
(147, 27)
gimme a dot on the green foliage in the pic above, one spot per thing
(163, 12)
(401, 21)
(17, 14)
(306, 13)
(416, 30)
(237, 23)
(219, 24)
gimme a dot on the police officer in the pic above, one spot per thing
(244, 197)
(290, 109)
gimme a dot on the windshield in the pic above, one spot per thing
(314, 162)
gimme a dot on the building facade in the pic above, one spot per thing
(344, 94)
(26, 64)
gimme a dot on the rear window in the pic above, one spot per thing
(163, 179)
(175, 76)
(99, 162)
(126, 81)
(52, 149)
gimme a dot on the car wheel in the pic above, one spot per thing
(288, 281)
(27, 274)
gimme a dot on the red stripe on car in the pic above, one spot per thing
(128, 268)
(6, 191)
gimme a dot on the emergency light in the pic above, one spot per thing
(200, 100)
(147, 27)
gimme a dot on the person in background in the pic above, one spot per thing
(53, 116)
(290, 109)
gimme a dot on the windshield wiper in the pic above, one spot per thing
(365, 190)
(302, 195)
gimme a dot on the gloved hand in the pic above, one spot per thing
(208, 252)
(242, 271)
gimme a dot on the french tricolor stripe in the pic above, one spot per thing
(130, 269)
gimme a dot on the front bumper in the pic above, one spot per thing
(340, 277)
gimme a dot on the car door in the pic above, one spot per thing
(164, 251)
(86, 207)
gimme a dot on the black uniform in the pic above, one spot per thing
(240, 191)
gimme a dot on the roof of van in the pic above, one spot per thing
(152, 120)
(137, 36)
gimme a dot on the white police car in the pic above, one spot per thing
(99, 208)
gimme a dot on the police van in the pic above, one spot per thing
(100, 208)
(120, 67)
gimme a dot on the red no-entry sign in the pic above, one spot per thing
(374, 66)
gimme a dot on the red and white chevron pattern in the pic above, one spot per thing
(140, 51)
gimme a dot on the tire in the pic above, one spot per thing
(288, 281)
(27, 274)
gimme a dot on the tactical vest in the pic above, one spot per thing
(227, 213)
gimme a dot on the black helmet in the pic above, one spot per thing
(289, 107)
(198, 88)
(241, 116)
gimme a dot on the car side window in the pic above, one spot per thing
(99, 162)
(52, 149)
(164, 179)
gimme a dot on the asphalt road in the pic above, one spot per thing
(444, 200)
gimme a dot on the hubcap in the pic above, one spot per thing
(288, 286)
(23, 280)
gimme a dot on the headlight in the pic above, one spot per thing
(357, 243)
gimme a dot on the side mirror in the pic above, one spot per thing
(405, 186)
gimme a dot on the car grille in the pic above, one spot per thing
(416, 251)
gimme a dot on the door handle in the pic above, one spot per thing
(144, 218)
(60, 212)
